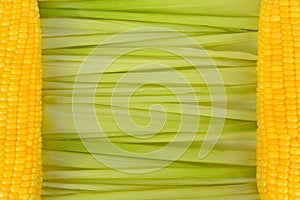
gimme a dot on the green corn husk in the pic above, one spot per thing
(73, 28)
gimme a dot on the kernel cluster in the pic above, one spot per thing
(278, 105)
(20, 100)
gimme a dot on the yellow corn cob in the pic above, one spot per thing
(278, 150)
(20, 100)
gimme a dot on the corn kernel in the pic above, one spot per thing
(20, 73)
(279, 75)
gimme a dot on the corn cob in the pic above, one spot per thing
(278, 150)
(20, 94)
